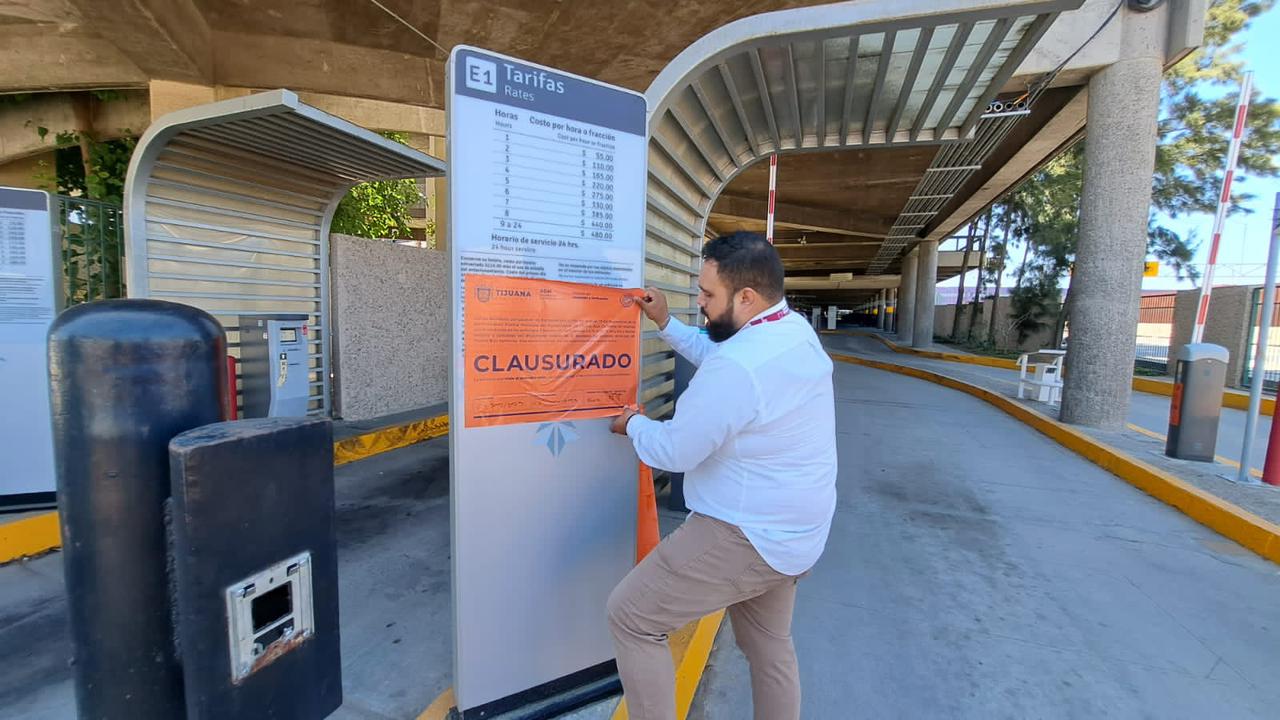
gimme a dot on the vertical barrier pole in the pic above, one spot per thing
(1224, 204)
(1271, 468)
(773, 191)
(1260, 355)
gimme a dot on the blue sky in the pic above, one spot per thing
(1245, 237)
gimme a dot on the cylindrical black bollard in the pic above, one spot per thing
(126, 377)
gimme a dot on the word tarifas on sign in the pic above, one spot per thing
(514, 363)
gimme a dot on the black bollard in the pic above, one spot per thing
(126, 377)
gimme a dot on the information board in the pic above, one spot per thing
(547, 176)
(541, 350)
(29, 301)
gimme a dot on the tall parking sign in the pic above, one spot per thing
(30, 297)
(547, 181)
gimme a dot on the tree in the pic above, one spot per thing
(964, 271)
(378, 209)
(999, 251)
(975, 309)
(1198, 110)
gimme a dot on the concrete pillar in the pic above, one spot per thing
(926, 288)
(881, 309)
(907, 298)
(1107, 281)
(440, 196)
(891, 320)
(833, 315)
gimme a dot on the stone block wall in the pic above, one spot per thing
(390, 307)
(1227, 324)
(1006, 338)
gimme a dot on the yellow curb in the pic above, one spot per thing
(359, 447)
(39, 533)
(29, 536)
(1233, 399)
(1003, 363)
(439, 709)
(690, 666)
(1229, 520)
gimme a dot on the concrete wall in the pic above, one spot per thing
(1227, 324)
(390, 312)
(1006, 338)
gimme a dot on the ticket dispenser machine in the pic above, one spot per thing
(1200, 373)
(274, 374)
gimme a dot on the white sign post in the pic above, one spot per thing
(30, 297)
(547, 177)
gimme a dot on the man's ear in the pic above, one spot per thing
(748, 295)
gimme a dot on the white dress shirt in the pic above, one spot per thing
(755, 435)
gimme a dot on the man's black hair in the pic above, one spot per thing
(747, 260)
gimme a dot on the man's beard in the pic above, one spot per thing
(720, 328)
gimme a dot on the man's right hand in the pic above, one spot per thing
(654, 305)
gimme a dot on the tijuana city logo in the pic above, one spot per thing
(563, 362)
(485, 294)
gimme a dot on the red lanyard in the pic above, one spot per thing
(771, 317)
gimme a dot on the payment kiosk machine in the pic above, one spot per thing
(275, 376)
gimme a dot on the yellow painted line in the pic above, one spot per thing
(690, 650)
(1255, 472)
(1230, 398)
(439, 709)
(1227, 519)
(690, 666)
(383, 440)
(31, 535)
(39, 533)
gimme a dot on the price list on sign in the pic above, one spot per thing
(547, 173)
(555, 188)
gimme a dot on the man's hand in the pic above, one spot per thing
(654, 305)
(619, 424)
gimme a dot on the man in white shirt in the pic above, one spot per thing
(754, 434)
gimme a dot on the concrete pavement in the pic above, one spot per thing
(396, 615)
(978, 570)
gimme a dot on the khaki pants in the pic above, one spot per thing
(702, 567)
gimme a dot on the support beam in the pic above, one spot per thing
(881, 309)
(926, 288)
(826, 284)
(68, 60)
(800, 217)
(166, 39)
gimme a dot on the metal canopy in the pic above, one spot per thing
(848, 75)
(228, 208)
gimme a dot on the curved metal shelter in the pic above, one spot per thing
(228, 207)
(851, 75)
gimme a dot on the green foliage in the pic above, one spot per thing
(1196, 129)
(92, 251)
(378, 209)
(103, 178)
(1034, 306)
(1190, 154)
